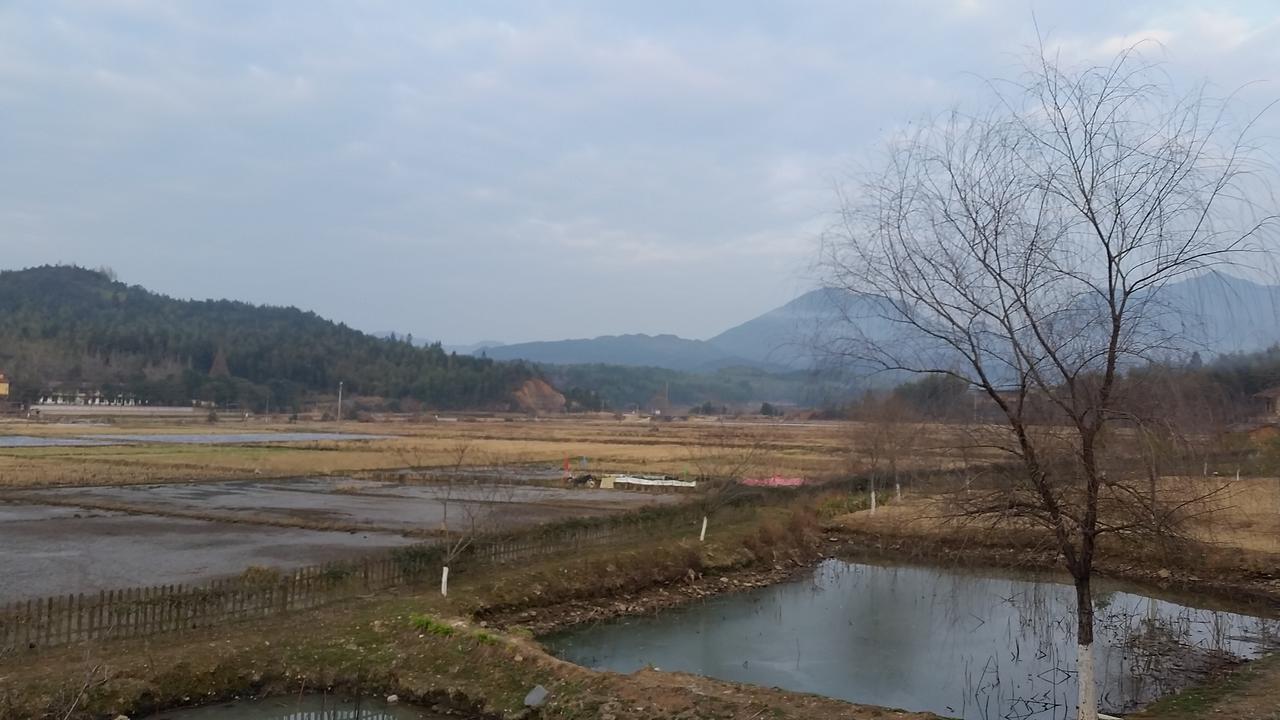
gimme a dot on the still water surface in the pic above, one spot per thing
(21, 441)
(307, 707)
(923, 639)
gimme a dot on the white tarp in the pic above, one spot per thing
(653, 482)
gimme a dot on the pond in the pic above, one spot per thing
(951, 642)
(306, 707)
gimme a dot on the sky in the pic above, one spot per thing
(509, 171)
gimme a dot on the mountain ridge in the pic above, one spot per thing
(1217, 312)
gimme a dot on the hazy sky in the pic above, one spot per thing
(504, 170)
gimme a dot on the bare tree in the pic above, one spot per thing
(721, 458)
(888, 432)
(1026, 251)
(458, 537)
(467, 501)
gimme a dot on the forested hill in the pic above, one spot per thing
(71, 326)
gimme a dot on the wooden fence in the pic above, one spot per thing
(145, 611)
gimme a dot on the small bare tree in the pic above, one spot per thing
(721, 458)
(458, 537)
(468, 501)
(887, 433)
(1026, 251)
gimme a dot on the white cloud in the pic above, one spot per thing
(465, 145)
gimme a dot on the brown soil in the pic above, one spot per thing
(537, 396)
(559, 615)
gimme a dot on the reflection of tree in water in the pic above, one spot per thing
(959, 644)
(1147, 649)
(1157, 647)
(1037, 637)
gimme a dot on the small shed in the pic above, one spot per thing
(4, 385)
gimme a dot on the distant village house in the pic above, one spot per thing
(1270, 401)
(83, 396)
(4, 386)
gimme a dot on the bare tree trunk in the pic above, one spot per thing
(1088, 694)
(444, 581)
(702, 537)
(873, 494)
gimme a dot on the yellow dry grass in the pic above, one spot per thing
(1240, 514)
(810, 449)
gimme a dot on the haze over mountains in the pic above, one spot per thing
(776, 340)
(69, 325)
(1218, 314)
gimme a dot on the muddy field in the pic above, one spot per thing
(67, 540)
(55, 550)
(347, 503)
(101, 439)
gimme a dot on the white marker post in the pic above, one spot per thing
(444, 581)
(702, 536)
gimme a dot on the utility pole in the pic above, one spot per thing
(339, 401)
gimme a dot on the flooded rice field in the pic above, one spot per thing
(347, 502)
(29, 441)
(22, 441)
(238, 438)
(56, 550)
(85, 539)
(307, 707)
(951, 642)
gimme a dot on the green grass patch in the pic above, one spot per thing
(428, 624)
(842, 504)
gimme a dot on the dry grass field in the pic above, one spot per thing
(811, 449)
(1243, 514)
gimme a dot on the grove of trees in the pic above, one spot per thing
(69, 325)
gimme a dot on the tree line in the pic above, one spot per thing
(69, 326)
